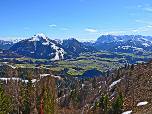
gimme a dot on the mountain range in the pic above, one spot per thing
(6, 44)
(41, 47)
(75, 46)
(124, 43)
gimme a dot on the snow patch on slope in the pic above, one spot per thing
(114, 83)
(45, 43)
(59, 52)
(127, 112)
(142, 103)
(146, 44)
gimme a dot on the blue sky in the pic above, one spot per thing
(80, 19)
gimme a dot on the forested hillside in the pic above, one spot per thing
(24, 90)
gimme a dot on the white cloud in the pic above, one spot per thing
(150, 23)
(91, 30)
(133, 7)
(135, 30)
(139, 6)
(142, 29)
(112, 32)
(63, 29)
(132, 14)
(138, 20)
(12, 38)
(149, 26)
(148, 9)
(26, 28)
(53, 25)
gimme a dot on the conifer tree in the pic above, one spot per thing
(131, 73)
(29, 93)
(25, 109)
(48, 96)
(121, 99)
(107, 104)
(94, 83)
(74, 95)
(125, 66)
(132, 67)
(118, 104)
(29, 84)
(46, 100)
(3, 101)
(102, 101)
(112, 77)
(108, 73)
(118, 74)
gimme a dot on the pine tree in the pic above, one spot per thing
(48, 96)
(118, 104)
(107, 104)
(102, 101)
(74, 96)
(29, 93)
(131, 73)
(118, 74)
(29, 84)
(26, 108)
(125, 66)
(108, 73)
(46, 100)
(3, 101)
(132, 67)
(121, 99)
(112, 77)
(94, 83)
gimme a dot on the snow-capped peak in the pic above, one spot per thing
(38, 37)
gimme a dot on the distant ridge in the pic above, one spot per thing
(41, 47)
(75, 46)
(123, 43)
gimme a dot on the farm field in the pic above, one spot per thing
(101, 61)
